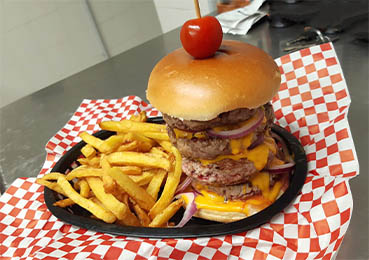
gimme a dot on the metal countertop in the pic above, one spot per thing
(27, 124)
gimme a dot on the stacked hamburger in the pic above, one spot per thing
(219, 116)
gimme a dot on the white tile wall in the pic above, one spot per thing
(44, 42)
(174, 13)
(126, 23)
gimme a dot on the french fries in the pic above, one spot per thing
(142, 179)
(88, 151)
(170, 185)
(139, 159)
(85, 172)
(166, 214)
(132, 189)
(141, 117)
(155, 184)
(119, 209)
(119, 178)
(87, 204)
(126, 126)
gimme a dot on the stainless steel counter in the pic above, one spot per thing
(27, 124)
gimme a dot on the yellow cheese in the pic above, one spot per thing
(258, 155)
(240, 144)
(275, 191)
(213, 201)
(188, 135)
(205, 202)
(251, 120)
(268, 140)
(261, 180)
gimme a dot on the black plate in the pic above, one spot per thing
(195, 227)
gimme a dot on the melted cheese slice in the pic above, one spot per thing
(212, 201)
(258, 155)
(261, 180)
(188, 135)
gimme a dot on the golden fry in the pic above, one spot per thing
(138, 159)
(88, 151)
(93, 161)
(164, 216)
(131, 126)
(109, 184)
(142, 179)
(112, 143)
(170, 185)
(155, 183)
(92, 207)
(142, 216)
(130, 170)
(84, 188)
(52, 176)
(144, 144)
(84, 172)
(159, 151)
(91, 140)
(131, 146)
(166, 145)
(119, 193)
(157, 135)
(134, 190)
(51, 185)
(119, 209)
(64, 203)
(98, 202)
(141, 117)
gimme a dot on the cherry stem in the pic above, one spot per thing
(197, 8)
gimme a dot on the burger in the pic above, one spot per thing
(219, 116)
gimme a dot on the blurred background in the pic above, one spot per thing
(44, 41)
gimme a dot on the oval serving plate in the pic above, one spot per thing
(78, 216)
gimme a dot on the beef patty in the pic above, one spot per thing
(224, 172)
(226, 118)
(207, 148)
(240, 191)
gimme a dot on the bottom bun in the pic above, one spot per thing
(230, 216)
(219, 216)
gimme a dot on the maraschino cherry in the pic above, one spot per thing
(201, 37)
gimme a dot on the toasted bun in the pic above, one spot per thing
(225, 217)
(239, 75)
(219, 216)
(229, 216)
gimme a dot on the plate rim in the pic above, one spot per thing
(297, 181)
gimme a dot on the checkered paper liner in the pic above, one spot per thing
(312, 104)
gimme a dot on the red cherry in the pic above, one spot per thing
(202, 37)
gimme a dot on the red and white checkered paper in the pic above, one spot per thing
(312, 104)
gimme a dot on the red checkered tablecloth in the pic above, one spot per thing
(312, 104)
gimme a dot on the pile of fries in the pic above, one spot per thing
(119, 178)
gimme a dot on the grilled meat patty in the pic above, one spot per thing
(238, 191)
(224, 172)
(226, 118)
(211, 147)
(206, 148)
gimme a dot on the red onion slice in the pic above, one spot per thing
(282, 168)
(285, 150)
(242, 131)
(190, 209)
(258, 141)
(181, 187)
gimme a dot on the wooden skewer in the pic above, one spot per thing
(197, 8)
